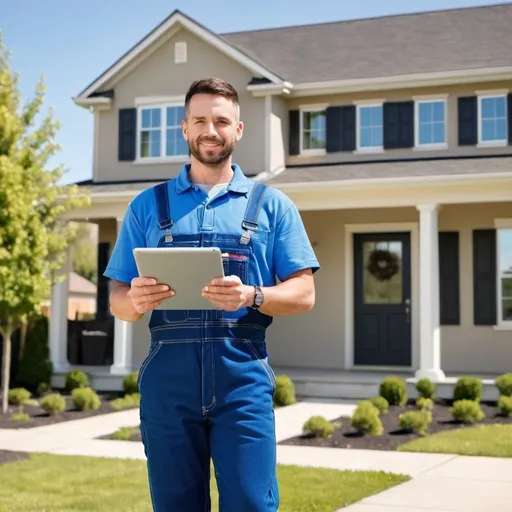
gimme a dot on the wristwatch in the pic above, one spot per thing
(258, 298)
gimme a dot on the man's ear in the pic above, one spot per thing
(184, 130)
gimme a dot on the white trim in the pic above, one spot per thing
(98, 102)
(207, 36)
(180, 52)
(434, 146)
(268, 132)
(492, 92)
(491, 143)
(500, 224)
(95, 145)
(369, 102)
(431, 97)
(316, 151)
(372, 149)
(160, 100)
(392, 227)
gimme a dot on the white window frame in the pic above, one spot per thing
(500, 224)
(418, 100)
(160, 102)
(488, 95)
(315, 151)
(359, 106)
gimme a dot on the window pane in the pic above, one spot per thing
(438, 133)
(506, 287)
(438, 111)
(182, 146)
(174, 116)
(501, 129)
(377, 136)
(425, 134)
(488, 130)
(156, 115)
(144, 144)
(155, 143)
(505, 251)
(487, 108)
(366, 137)
(499, 107)
(175, 143)
(506, 308)
(425, 112)
(365, 116)
(146, 118)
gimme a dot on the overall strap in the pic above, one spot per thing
(250, 222)
(163, 209)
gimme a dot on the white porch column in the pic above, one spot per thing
(58, 324)
(430, 338)
(123, 334)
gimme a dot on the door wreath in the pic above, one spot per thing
(383, 264)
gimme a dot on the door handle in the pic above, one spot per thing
(408, 309)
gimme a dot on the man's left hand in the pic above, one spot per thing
(229, 293)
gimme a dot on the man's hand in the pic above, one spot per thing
(229, 293)
(145, 294)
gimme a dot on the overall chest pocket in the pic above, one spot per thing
(236, 262)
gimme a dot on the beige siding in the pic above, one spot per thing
(453, 92)
(157, 75)
(278, 130)
(317, 339)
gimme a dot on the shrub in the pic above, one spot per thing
(126, 402)
(76, 379)
(85, 399)
(20, 417)
(468, 388)
(53, 404)
(424, 404)
(130, 383)
(504, 384)
(505, 405)
(415, 421)
(19, 396)
(318, 426)
(380, 403)
(35, 366)
(285, 391)
(426, 388)
(366, 419)
(124, 433)
(393, 389)
(467, 411)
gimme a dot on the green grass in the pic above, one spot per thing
(75, 484)
(484, 440)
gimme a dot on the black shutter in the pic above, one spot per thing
(333, 127)
(348, 128)
(127, 134)
(398, 124)
(449, 280)
(294, 132)
(102, 290)
(509, 97)
(468, 121)
(484, 276)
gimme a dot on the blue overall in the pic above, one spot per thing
(206, 384)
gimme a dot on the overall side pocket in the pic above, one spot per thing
(153, 351)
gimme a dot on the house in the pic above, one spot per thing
(393, 136)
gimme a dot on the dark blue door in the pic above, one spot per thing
(382, 307)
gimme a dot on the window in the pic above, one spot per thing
(504, 288)
(370, 128)
(431, 123)
(313, 138)
(492, 119)
(180, 52)
(160, 134)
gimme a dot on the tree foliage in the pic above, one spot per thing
(33, 238)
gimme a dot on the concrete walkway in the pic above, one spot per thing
(440, 483)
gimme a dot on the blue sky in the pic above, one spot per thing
(73, 42)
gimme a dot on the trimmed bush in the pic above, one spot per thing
(366, 419)
(426, 388)
(20, 417)
(126, 402)
(53, 404)
(467, 411)
(76, 379)
(504, 384)
(468, 388)
(85, 399)
(130, 383)
(19, 396)
(424, 404)
(318, 426)
(285, 391)
(415, 421)
(505, 405)
(393, 389)
(380, 403)
(124, 433)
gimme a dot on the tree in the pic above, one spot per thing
(33, 238)
(85, 252)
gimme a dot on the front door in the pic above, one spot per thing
(382, 307)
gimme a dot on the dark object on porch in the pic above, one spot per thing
(91, 342)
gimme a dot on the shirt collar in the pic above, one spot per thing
(238, 184)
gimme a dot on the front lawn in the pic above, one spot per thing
(483, 440)
(64, 483)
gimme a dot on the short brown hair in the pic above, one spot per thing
(212, 86)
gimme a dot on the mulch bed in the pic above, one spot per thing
(7, 456)
(39, 418)
(393, 436)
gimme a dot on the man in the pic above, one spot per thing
(206, 385)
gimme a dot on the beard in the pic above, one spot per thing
(211, 156)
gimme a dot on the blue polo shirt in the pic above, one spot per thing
(281, 245)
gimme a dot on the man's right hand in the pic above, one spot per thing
(145, 294)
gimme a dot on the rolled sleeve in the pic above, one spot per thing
(292, 247)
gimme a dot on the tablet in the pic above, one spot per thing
(187, 270)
